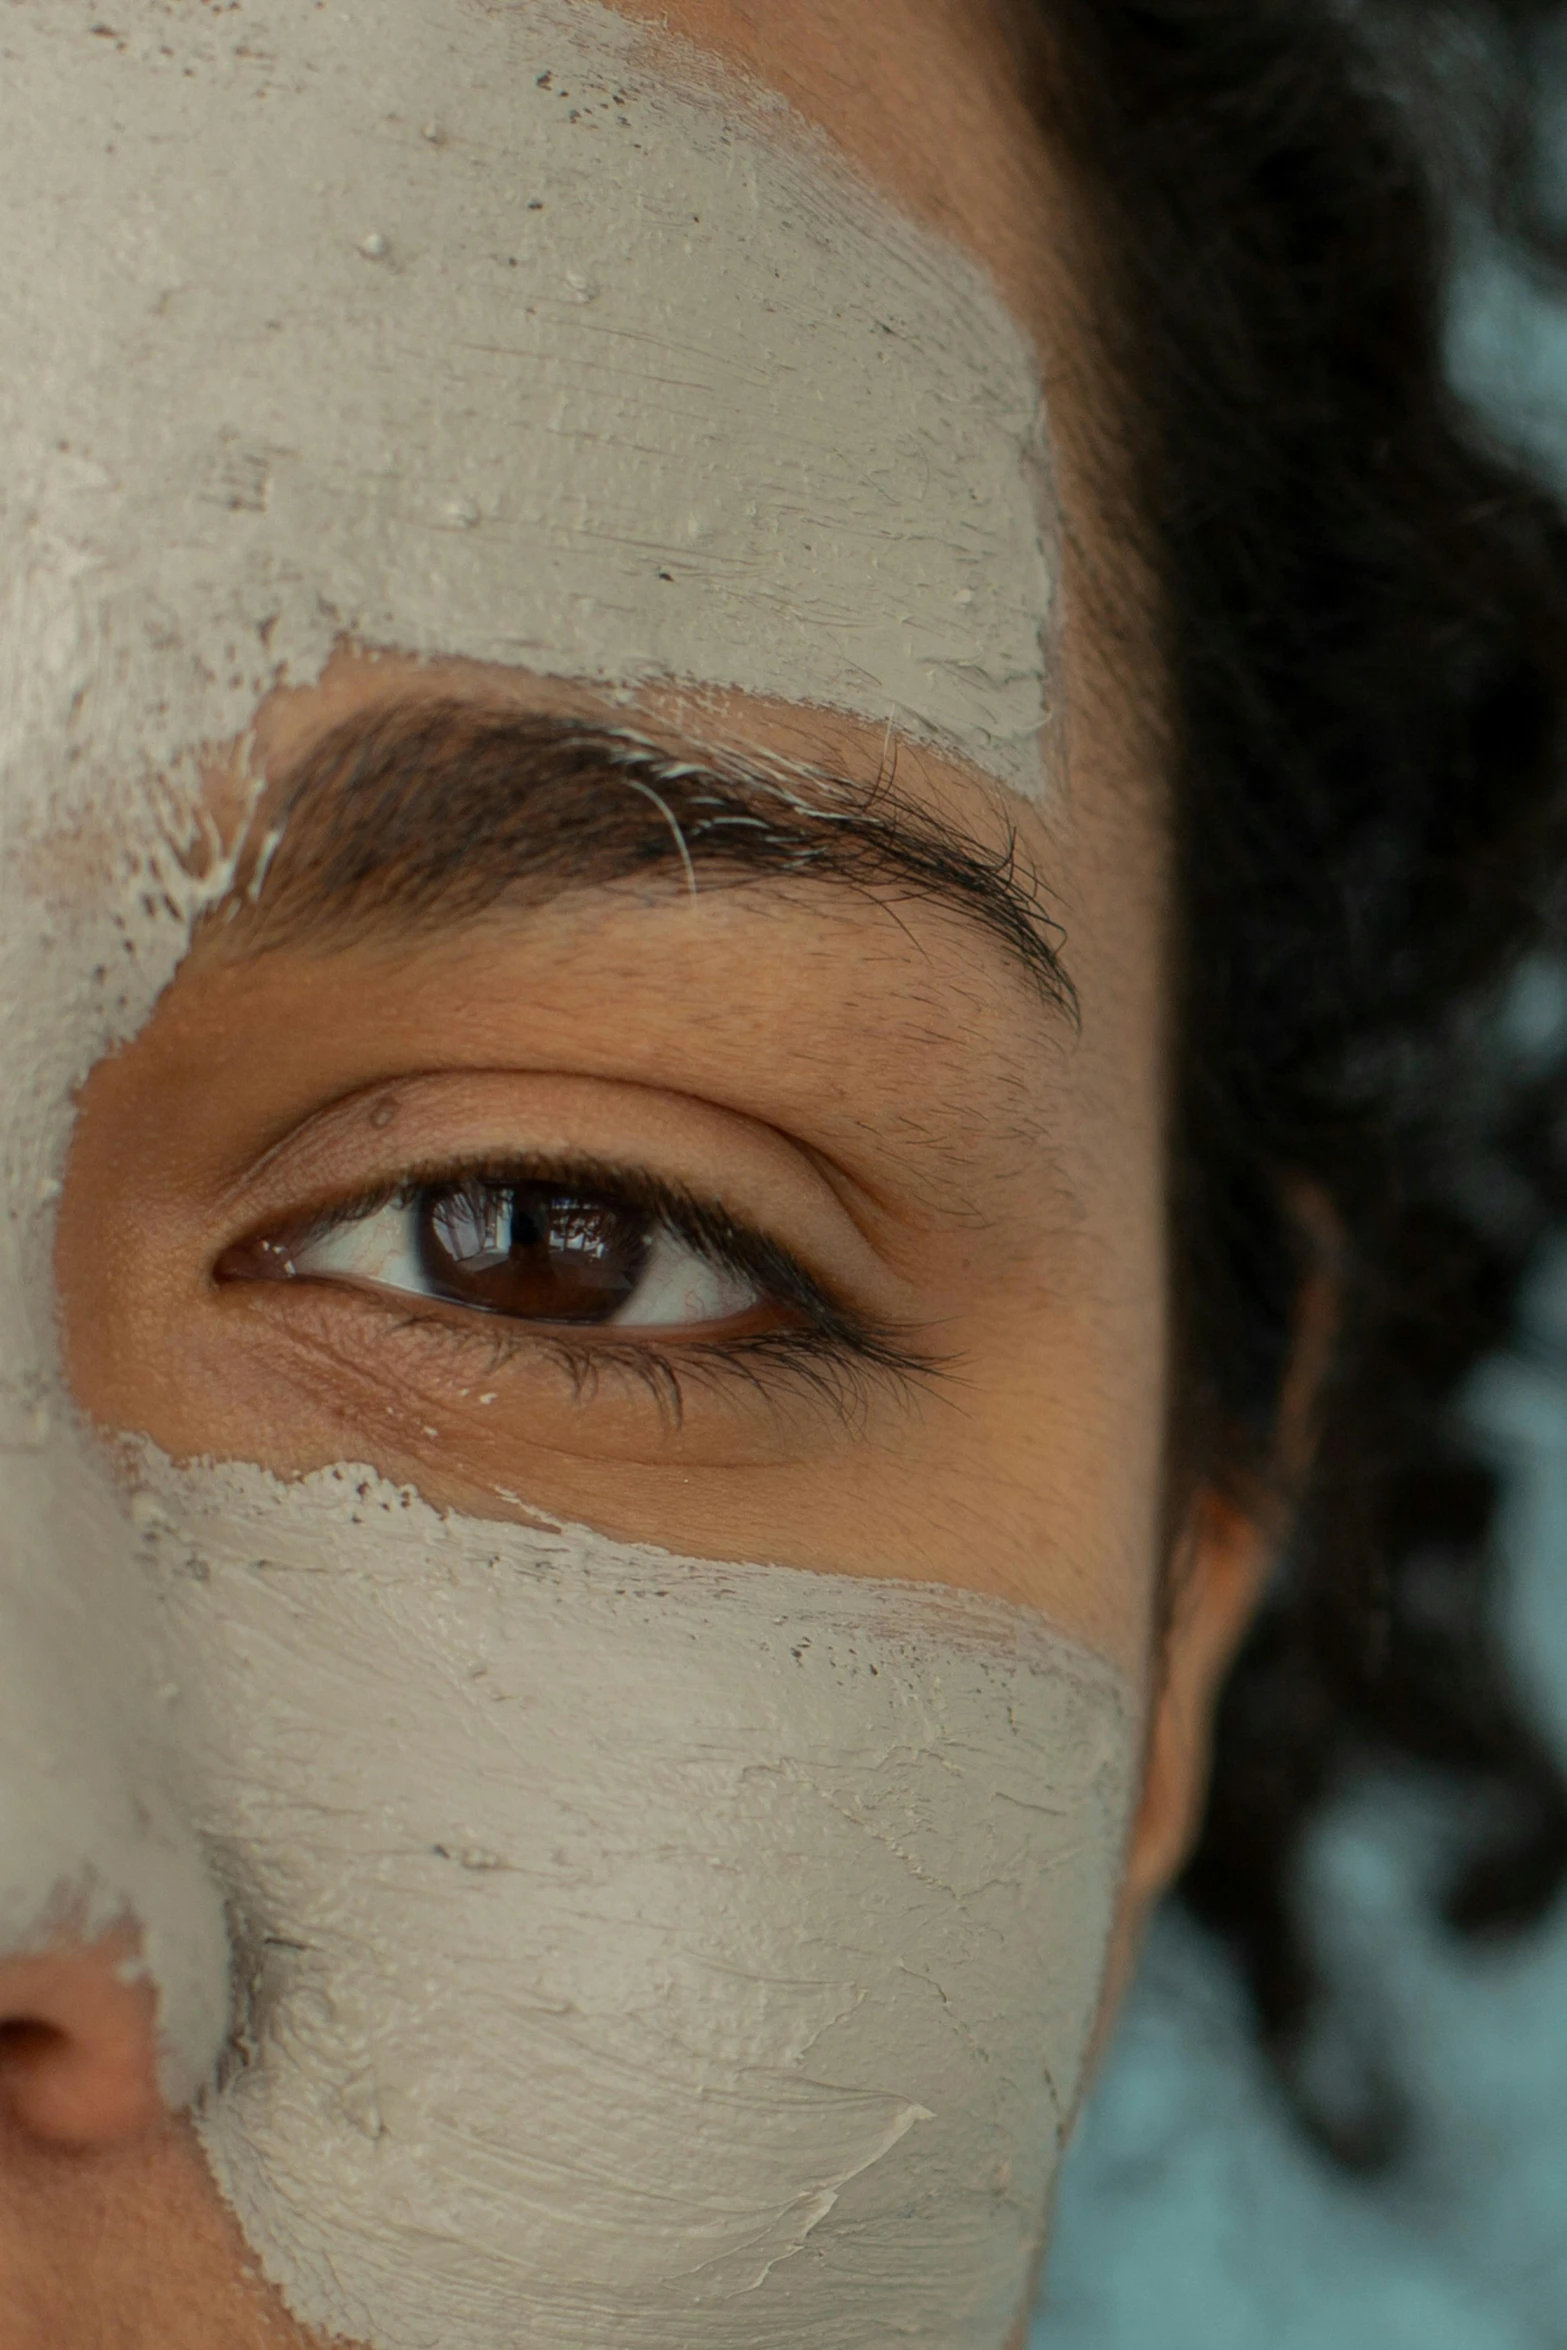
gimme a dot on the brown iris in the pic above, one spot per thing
(531, 1250)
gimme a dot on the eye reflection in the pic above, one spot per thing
(524, 1249)
(530, 1251)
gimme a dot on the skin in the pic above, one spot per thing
(874, 1085)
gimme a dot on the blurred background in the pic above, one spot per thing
(1194, 2213)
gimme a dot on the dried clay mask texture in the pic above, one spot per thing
(634, 1951)
(475, 330)
(542, 348)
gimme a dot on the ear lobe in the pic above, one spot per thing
(78, 2044)
(1221, 1578)
(1223, 1566)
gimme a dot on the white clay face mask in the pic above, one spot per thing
(626, 1951)
(635, 1951)
(687, 399)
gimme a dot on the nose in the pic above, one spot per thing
(78, 2042)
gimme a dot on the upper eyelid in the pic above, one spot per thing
(305, 1155)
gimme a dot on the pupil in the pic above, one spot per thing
(531, 1250)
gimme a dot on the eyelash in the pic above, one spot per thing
(834, 1356)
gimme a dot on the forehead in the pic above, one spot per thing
(508, 335)
(928, 100)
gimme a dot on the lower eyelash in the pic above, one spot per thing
(835, 1368)
(801, 1359)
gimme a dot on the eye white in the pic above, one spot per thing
(381, 1248)
(679, 1287)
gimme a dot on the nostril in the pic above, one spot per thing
(78, 2049)
(26, 2041)
(32, 2054)
(35, 2057)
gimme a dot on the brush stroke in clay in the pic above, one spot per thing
(468, 329)
(635, 1951)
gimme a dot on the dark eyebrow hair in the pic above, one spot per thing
(426, 813)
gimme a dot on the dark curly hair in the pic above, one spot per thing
(1364, 611)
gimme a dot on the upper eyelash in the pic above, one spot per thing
(832, 1354)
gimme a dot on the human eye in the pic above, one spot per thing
(610, 1270)
(531, 1249)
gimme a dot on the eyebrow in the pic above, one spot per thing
(424, 814)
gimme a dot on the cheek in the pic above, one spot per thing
(1059, 1451)
(728, 1909)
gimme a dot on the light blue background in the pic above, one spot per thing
(1192, 2215)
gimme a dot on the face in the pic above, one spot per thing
(582, 1327)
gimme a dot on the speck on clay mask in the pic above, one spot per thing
(567, 1944)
